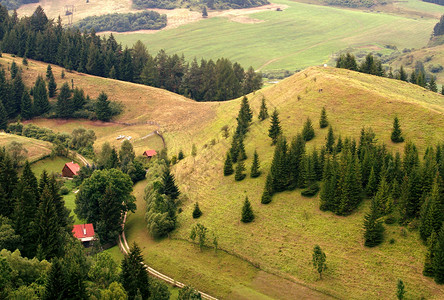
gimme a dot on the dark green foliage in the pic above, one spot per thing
(323, 121)
(429, 269)
(431, 213)
(49, 72)
(228, 165)
(3, 117)
(169, 186)
(9, 240)
(432, 85)
(255, 166)
(14, 69)
(279, 168)
(134, 275)
(294, 163)
(217, 4)
(371, 65)
(275, 128)
(41, 102)
(396, 132)
(245, 112)
(55, 281)
(26, 106)
(52, 86)
(308, 131)
(263, 113)
(318, 259)
(17, 89)
(204, 12)
(374, 230)
(372, 184)
(102, 108)
(311, 190)
(123, 22)
(402, 74)
(126, 155)
(199, 231)
(180, 156)
(247, 212)
(439, 27)
(347, 61)
(240, 168)
(400, 292)
(438, 258)
(268, 190)
(65, 106)
(189, 293)
(196, 212)
(330, 142)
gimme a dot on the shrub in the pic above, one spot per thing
(64, 190)
(311, 190)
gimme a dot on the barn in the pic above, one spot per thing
(149, 153)
(70, 169)
(84, 233)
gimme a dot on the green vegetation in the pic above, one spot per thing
(123, 22)
(14, 4)
(217, 4)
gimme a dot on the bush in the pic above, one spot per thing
(435, 68)
(390, 220)
(64, 190)
(392, 241)
(311, 190)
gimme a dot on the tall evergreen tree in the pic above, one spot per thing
(279, 167)
(41, 102)
(65, 106)
(247, 212)
(374, 229)
(3, 117)
(402, 74)
(255, 166)
(294, 162)
(26, 106)
(240, 168)
(268, 190)
(263, 112)
(14, 69)
(245, 111)
(400, 290)
(323, 121)
(330, 141)
(431, 213)
(169, 186)
(18, 87)
(431, 249)
(228, 165)
(49, 72)
(134, 275)
(432, 85)
(196, 212)
(55, 282)
(396, 132)
(275, 128)
(308, 131)
(78, 99)
(52, 86)
(102, 107)
(438, 258)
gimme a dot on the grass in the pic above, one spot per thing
(36, 148)
(270, 258)
(300, 36)
(51, 165)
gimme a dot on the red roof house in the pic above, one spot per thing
(149, 153)
(70, 169)
(84, 232)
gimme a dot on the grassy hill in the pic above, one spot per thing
(270, 258)
(36, 148)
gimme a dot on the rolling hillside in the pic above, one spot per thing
(270, 258)
(36, 148)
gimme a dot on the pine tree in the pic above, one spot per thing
(372, 184)
(323, 121)
(279, 167)
(402, 74)
(396, 132)
(14, 69)
(268, 190)
(330, 142)
(401, 290)
(338, 148)
(52, 86)
(294, 162)
(413, 77)
(242, 155)
(169, 186)
(432, 85)
(308, 131)
(49, 72)
(180, 156)
(41, 102)
(3, 117)
(196, 212)
(275, 128)
(245, 112)
(240, 168)
(431, 249)
(26, 106)
(374, 229)
(134, 275)
(102, 108)
(228, 165)
(247, 212)
(204, 12)
(234, 149)
(65, 106)
(431, 213)
(319, 259)
(255, 166)
(263, 113)
(438, 258)
(55, 282)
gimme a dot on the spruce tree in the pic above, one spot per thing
(338, 148)
(242, 155)
(3, 117)
(196, 212)
(323, 121)
(65, 106)
(402, 74)
(102, 108)
(438, 258)
(55, 281)
(400, 290)
(263, 113)
(52, 87)
(49, 72)
(255, 166)
(14, 69)
(245, 112)
(431, 249)
(169, 186)
(318, 260)
(180, 156)
(374, 229)
(247, 212)
(228, 165)
(431, 213)
(41, 102)
(134, 275)
(268, 190)
(432, 85)
(26, 106)
(275, 128)
(279, 167)
(308, 131)
(413, 77)
(396, 132)
(372, 184)
(330, 142)
(234, 149)
(240, 168)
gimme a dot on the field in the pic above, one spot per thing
(36, 149)
(301, 35)
(270, 258)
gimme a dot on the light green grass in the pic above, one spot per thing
(302, 35)
(51, 165)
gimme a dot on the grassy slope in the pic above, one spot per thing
(36, 148)
(282, 237)
(302, 35)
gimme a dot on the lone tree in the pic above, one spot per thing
(373, 226)
(196, 212)
(263, 113)
(247, 212)
(401, 291)
(52, 86)
(275, 128)
(255, 166)
(319, 259)
(228, 166)
(396, 132)
(204, 12)
(308, 132)
(102, 107)
(323, 122)
(240, 168)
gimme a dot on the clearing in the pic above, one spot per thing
(36, 148)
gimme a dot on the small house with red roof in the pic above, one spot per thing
(149, 153)
(84, 233)
(70, 169)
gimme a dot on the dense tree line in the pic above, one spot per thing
(14, 4)
(123, 22)
(439, 27)
(373, 66)
(41, 39)
(213, 4)
(439, 2)
(354, 3)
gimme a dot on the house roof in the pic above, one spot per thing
(75, 168)
(150, 153)
(84, 232)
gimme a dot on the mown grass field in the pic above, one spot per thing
(270, 258)
(300, 36)
(36, 148)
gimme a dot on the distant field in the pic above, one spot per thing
(36, 148)
(300, 36)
